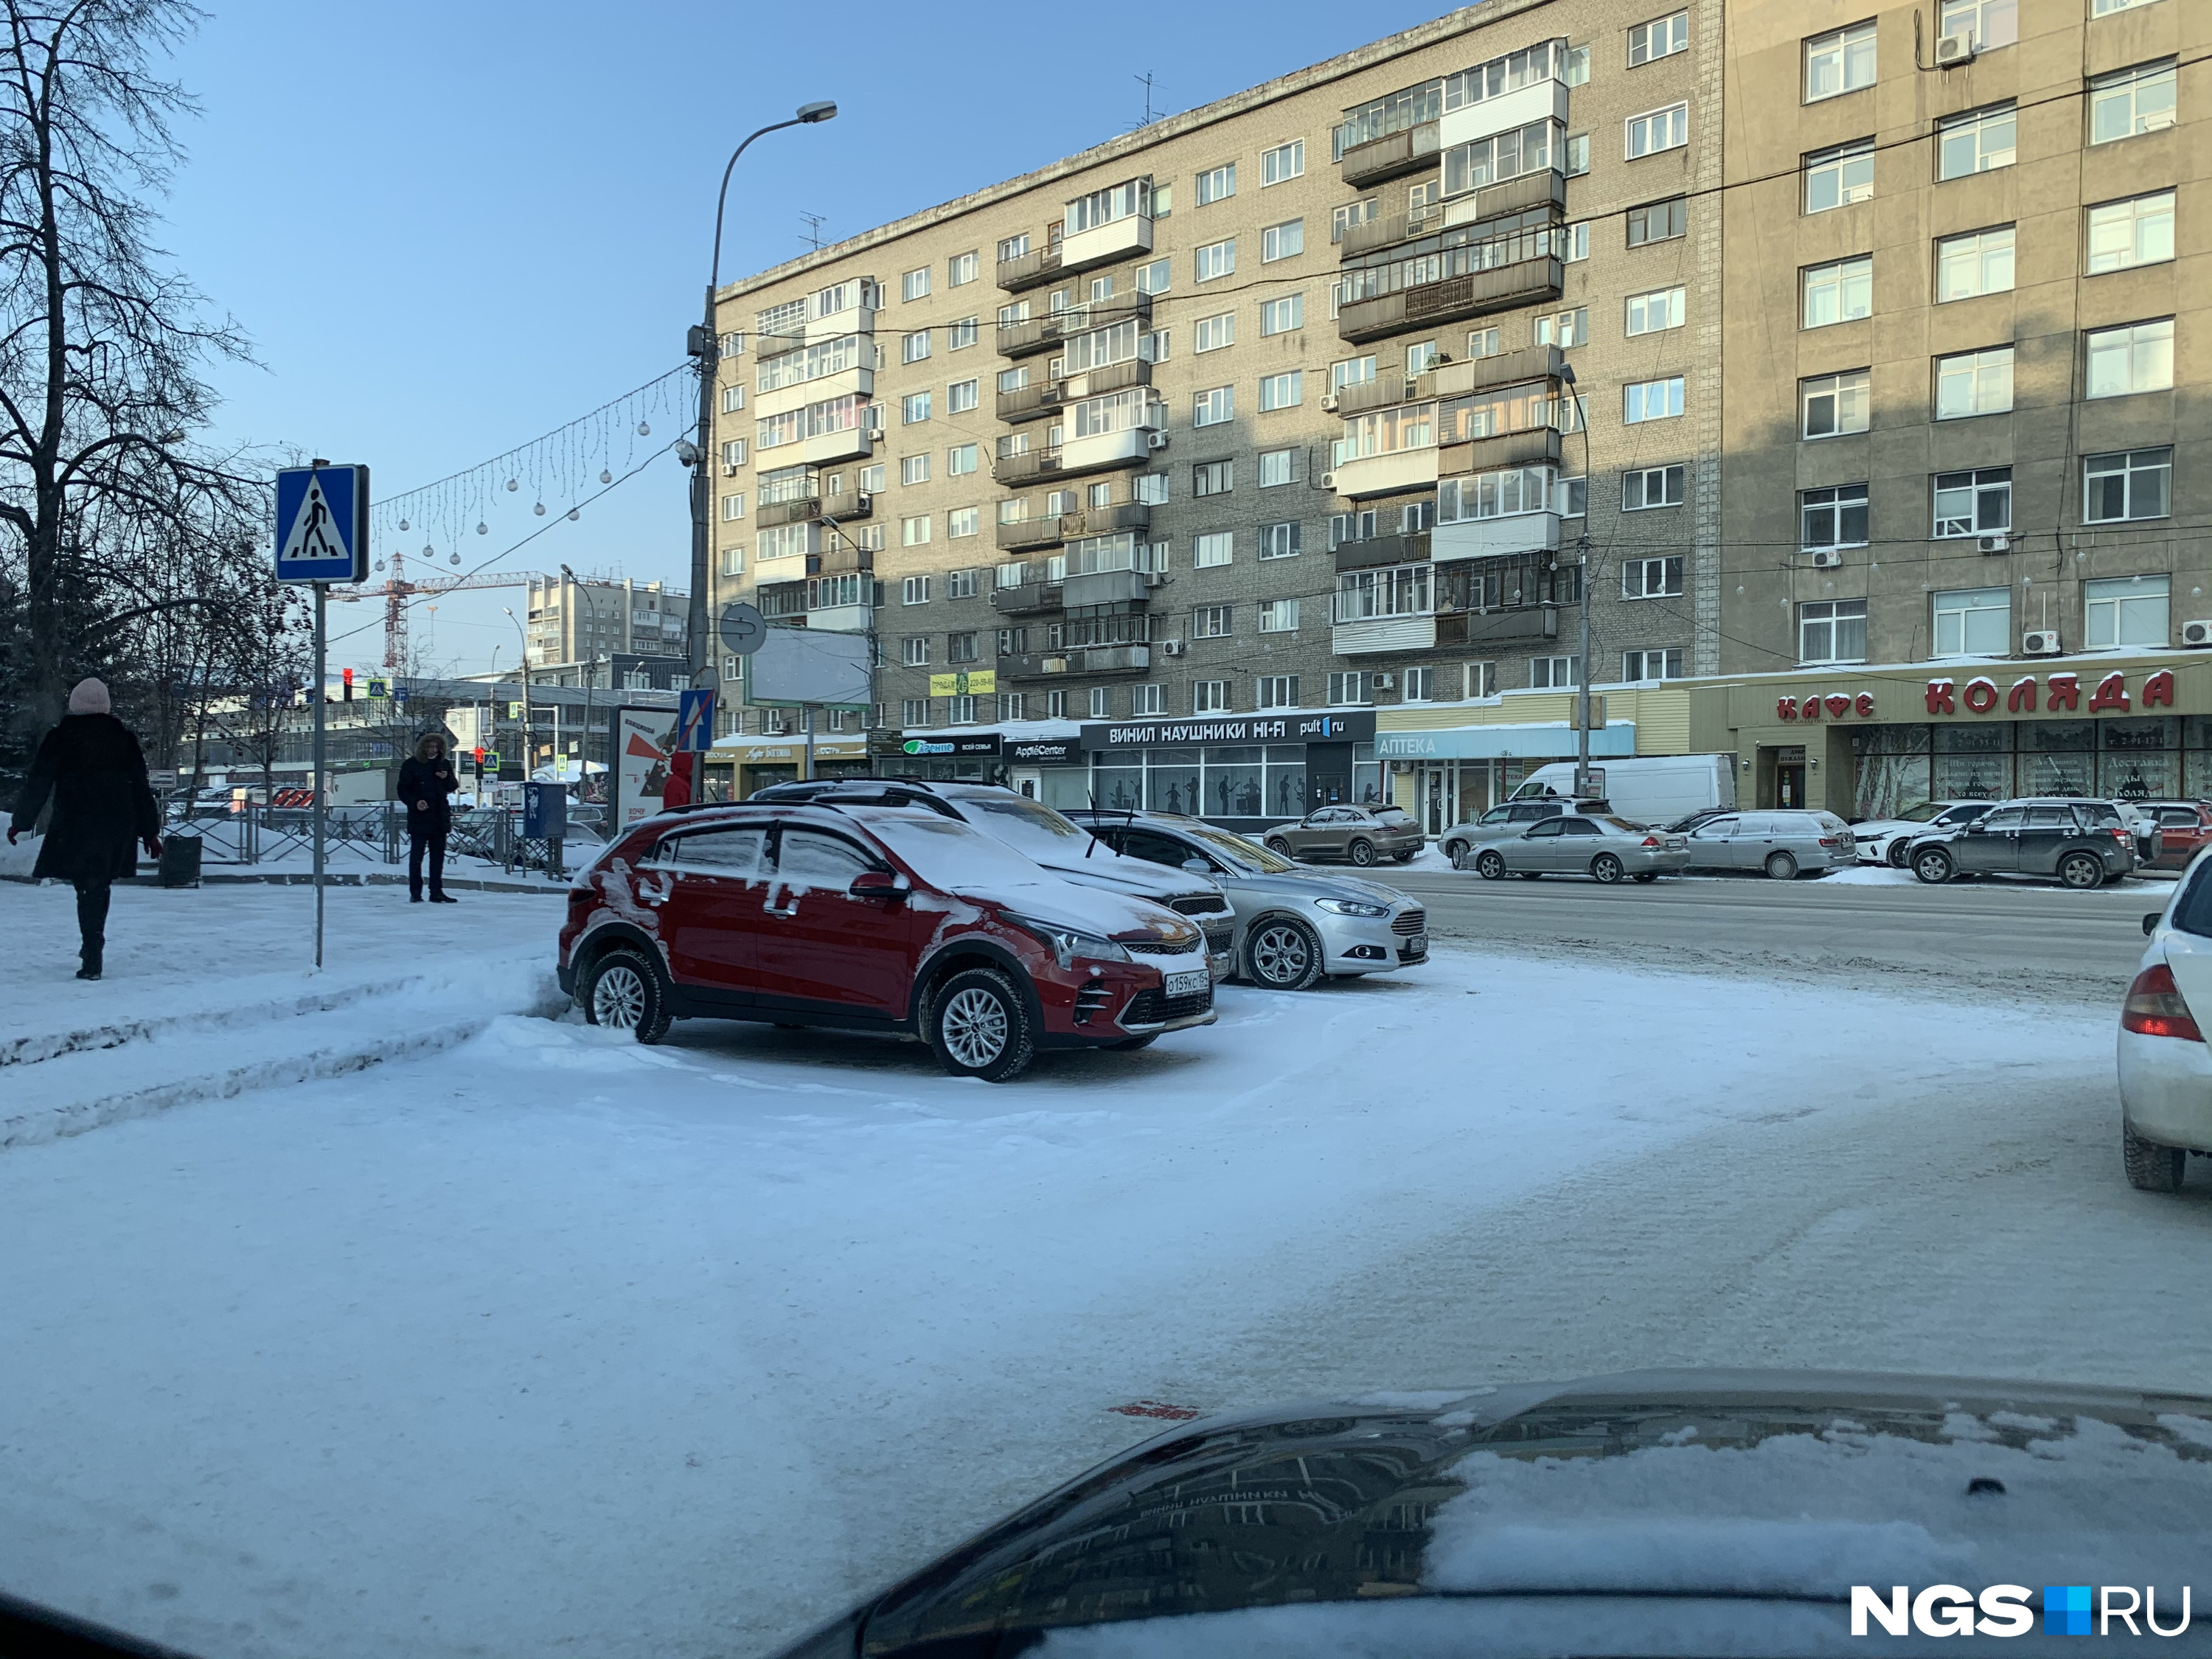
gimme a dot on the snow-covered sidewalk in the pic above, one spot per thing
(547, 1342)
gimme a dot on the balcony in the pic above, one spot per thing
(1031, 403)
(1371, 635)
(1035, 334)
(1101, 452)
(852, 443)
(1088, 660)
(843, 618)
(1102, 245)
(1529, 622)
(1393, 474)
(1031, 270)
(1490, 202)
(1378, 550)
(1026, 599)
(1109, 587)
(1027, 535)
(1392, 154)
(1051, 530)
(846, 507)
(1477, 294)
(841, 559)
(856, 382)
(1485, 538)
(1525, 448)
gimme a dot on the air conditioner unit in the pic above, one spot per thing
(1328, 481)
(1384, 681)
(1827, 558)
(1953, 50)
(1995, 543)
(1172, 647)
(2196, 633)
(731, 468)
(2039, 643)
(1329, 403)
(867, 502)
(1156, 439)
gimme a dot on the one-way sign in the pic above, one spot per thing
(322, 523)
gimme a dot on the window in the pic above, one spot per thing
(1652, 400)
(1977, 262)
(1574, 498)
(1574, 68)
(1832, 404)
(915, 589)
(2131, 101)
(871, 478)
(1212, 479)
(1347, 689)
(1661, 309)
(1215, 259)
(1481, 679)
(733, 400)
(1209, 697)
(1652, 664)
(1831, 517)
(1563, 329)
(960, 584)
(1356, 213)
(1213, 407)
(1282, 163)
(960, 711)
(960, 648)
(1279, 617)
(1576, 240)
(1837, 178)
(1977, 503)
(962, 396)
(1658, 221)
(1578, 161)
(1152, 277)
(1973, 383)
(960, 460)
(1012, 248)
(913, 469)
(1838, 293)
(914, 532)
(960, 269)
(914, 711)
(1993, 23)
(1056, 703)
(1217, 184)
(733, 564)
(2105, 7)
(1661, 130)
(2125, 610)
(1149, 488)
(1839, 63)
(1652, 486)
(1217, 547)
(962, 521)
(2134, 233)
(913, 348)
(1284, 391)
(1482, 342)
(1420, 358)
(733, 506)
(1351, 371)
(1660, 39)
(1281, 242)
(1276, 690)
(1210, 621)
(1098, 709)
(1012, 642)
(1831, 630)
(2138, 358)
(1975, 622)
(1554, 673)
(782, 541)
(915, 285)
(1211, 333)
(1978, 141)
(1281, 467)
(1652, 579)
(2134, 484)
(1280, 541)
(913, 650)
(733, 452)
(915, 409)
(1148, 700)
(1282, 316)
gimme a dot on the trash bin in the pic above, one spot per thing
(180, 861)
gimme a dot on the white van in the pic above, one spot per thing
(1654, 789)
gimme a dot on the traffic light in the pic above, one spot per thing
(480, 755)
(347, 674)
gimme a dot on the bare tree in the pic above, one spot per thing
(101, 345)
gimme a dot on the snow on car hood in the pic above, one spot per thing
(1316, 885)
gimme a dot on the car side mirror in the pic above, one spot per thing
(1198, 866)
(878, 884)
(2150, 922)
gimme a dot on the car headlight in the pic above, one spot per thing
(1352, 908)
(1067, 943)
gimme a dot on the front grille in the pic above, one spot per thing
(1198, 904)
(1155, 947)
(1410, 921)
(1219, 934)
(1154, 1007)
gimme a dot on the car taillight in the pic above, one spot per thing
(1651, 841)
(2120, 834)
(1827, 840)
(2154, 1007)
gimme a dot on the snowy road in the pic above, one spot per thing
(550, 1344)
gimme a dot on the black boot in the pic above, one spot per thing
(443, 898)
(91, 967)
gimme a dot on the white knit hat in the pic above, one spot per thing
(90, 697)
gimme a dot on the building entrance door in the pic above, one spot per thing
(1790, 785)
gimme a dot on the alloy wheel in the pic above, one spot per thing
(2083, 871)
(974, 1025)
(618, 997)
(1281, 954)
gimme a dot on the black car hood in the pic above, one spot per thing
(1662, 1491)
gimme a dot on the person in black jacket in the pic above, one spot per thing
(92, 769)
(427, 784)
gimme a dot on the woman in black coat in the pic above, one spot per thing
(91, 767)
(427, 784)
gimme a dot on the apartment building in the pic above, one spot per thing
(1218, 443)
(1968, 459)
(574, 621)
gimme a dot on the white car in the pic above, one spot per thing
(1883, 841)
(2166, 1067)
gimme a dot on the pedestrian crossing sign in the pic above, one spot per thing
(322, 523)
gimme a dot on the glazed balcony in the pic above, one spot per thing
(1101, 452)
(1529, 447)
(1490, 202)
(1053, 529)
(1475, 293)
(1033, 334)
(1494, 537)
(846, 507)
(1032, 403)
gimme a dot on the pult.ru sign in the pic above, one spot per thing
(1980, 695)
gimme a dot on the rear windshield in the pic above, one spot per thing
(1920, 814)
(1237, 850)
(1029, 826)
(1625, 828)
(1390, 815)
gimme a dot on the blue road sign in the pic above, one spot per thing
(695, 720)
(322, 523)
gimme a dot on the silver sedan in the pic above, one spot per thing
(1604, 847)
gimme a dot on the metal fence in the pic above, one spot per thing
(369, 837)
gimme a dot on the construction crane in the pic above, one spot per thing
(397, 591)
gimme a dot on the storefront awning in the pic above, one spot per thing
(1538, 740)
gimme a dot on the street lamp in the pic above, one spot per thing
(706, 349)
(529, 755)
(591, 679)
(1582, 551)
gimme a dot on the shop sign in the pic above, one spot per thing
(2061, 692)
(1833, 705)
(970, 682)
(1045, 751)
(1248, 728)
(955, 747)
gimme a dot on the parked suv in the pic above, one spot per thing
(1459, 842)
(1360, 835)
(1294, 925)
(2185, 826)
(1887, 840)
(2083, 843)
(872, 918)
(1046, 837)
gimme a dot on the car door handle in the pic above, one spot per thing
(771, 910)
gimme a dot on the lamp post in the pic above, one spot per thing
(1582, 552)
(590, 677)
(528, 755)
(706, 348)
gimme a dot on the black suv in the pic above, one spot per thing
(2083, 843)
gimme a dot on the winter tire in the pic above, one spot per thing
(1934, 867)
(1455, 851)
(1490, 866)
(1283, 954)
(980, 1027)
(2151, 1167)
(1900, 852)
(1607, 868)
(1280, 847)
(626, 993)
(2082, 870)
(1649, 875)
(1361, 852)
(1781, 866)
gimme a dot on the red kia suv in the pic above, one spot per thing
(872, 918)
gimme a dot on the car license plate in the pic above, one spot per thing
(1418, 946)
(1675, 843)
(1188, 984)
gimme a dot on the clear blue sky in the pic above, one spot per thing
(448, 228)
